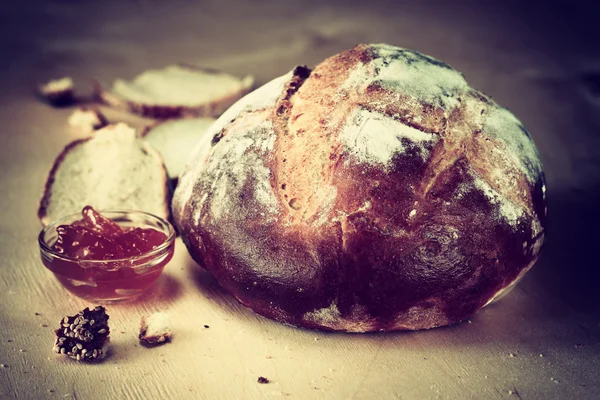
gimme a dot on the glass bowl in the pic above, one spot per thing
(115, 279)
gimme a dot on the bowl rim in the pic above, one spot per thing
(44, 247)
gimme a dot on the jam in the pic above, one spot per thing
(97, 258)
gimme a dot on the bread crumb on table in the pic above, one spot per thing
(58, 92)
(154, 329)
(87, 119)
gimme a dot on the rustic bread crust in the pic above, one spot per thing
(359, 201)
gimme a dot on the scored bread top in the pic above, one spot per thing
(325, 192)
(111, 170)
(372, 132)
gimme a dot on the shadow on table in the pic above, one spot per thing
(569, 266)
(537, 312)
(212, 290)
(166, 290)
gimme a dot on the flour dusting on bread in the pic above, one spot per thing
(374, 138)
(425, 79)
(357, 320)
(236, 167)
(507, 210)
(503, 125)
(263, 97)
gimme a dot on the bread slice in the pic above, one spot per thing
(176, 91)
(113, 169)
(176, 139)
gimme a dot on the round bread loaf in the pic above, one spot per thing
(377, 192)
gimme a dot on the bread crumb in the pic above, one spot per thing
(154, 329)
(87, 119)
(58, 92)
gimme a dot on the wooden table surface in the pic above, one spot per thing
(540, 342)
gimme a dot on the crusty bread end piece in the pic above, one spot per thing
(114, 169)
(176, 91)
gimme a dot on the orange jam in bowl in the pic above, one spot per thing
(109, 256)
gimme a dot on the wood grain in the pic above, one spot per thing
(540, 342)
